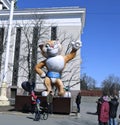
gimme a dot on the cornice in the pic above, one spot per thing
(46, 11)
(49, 12)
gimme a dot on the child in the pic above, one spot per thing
(33, 102)
(103, 115)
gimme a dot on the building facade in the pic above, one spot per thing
(30, 27)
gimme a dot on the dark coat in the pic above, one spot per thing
(78, 99)
(113, 108)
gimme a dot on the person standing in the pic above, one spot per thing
(103, 112)
(113, 110)
(99, 102)
(50, 102)
(78, 101)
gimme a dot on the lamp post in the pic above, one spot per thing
(3, 98)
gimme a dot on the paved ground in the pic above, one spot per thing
(87, 117)
(9, 116)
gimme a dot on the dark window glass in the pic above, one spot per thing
(34, 53)
(1, 44)
(16, 57)
(53, 33)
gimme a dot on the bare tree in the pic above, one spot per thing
(111, 83)
(71, 73)
(87, 82)
(34, 33)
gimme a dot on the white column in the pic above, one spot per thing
(8, 42)
(3, 96)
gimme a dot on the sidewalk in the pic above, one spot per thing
(87, 116)
(10, 110)
(7, 108)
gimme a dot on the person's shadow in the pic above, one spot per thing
(92, 113)
(30, 118)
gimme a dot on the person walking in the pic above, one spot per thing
(113, 110)
(78, 101)
(50, 102)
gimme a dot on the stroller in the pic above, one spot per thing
(40, 112)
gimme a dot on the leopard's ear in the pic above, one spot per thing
(41, 46)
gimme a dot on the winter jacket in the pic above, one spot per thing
(33, 99)
(113, 108)
(78, 99)
(104, 112)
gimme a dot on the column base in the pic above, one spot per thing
(3, 98)
(4, 102)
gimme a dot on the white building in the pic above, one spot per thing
(29, 28)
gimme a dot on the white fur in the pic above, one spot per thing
(55, 64)
(44, 93)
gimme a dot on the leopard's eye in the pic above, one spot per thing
(55, 43)
(47, 45)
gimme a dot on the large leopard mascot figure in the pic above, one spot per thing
(54, 63)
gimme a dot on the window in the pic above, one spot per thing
(53, 33)
(1, 44)
(13, 92)
(16, 57)
(34, 52)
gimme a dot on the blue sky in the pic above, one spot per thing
(101, 34)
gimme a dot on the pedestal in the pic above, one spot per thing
(61, 105)
(3, 98)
